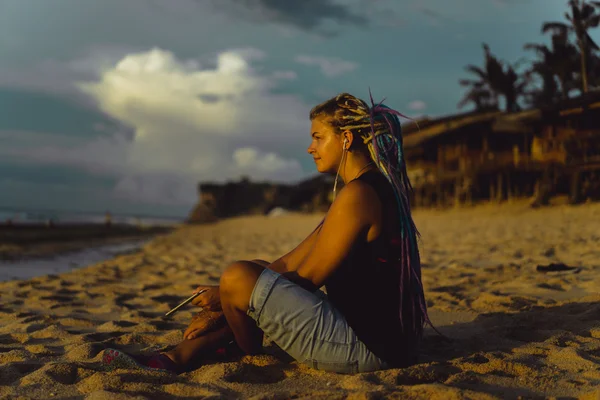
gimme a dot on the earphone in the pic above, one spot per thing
(344, 149)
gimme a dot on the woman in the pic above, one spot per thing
(365, 253)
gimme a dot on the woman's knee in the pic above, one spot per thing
(239, 275)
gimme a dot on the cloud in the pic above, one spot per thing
(56, 77)
(329, 66)
(307, 15)
(286, 75)
(102, 155)
(417, 105)
(190, 123)
(440, 14)
(435, 18)
(260, 164)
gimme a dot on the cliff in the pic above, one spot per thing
(244, 197)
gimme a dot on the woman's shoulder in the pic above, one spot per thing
(359, 194)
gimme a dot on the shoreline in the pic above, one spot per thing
(58, 263)
(34, 242)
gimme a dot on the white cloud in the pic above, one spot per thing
(190, 123)
(330, 66)
(264, 165)
(417, 105)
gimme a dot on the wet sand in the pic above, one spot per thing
(515, 331)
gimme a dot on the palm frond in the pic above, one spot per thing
(587, 11)
(477, 71)
(558, 27)
(591, 42)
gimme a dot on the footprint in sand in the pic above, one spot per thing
(422, 374)
(117, 325)
(67, 304)
(64, 373)
(153, 286)
(249, 373)
(29, 328)
(14, 371)
(7, 338)
(555, 286)
(169, 299)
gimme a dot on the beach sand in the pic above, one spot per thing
(514, 331)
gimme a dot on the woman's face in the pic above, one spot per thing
(325, 146)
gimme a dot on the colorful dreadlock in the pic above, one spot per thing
(380, 129)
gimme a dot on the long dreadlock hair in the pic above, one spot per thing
(379, 128)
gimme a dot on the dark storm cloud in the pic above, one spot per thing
(307, 15)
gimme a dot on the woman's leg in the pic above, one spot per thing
(306, 325)
(187, 350)
(236, 286)
(251, 336)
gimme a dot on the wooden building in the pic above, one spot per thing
(496, 156)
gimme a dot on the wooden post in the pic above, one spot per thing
(469, 193)
(575, 192)
(457, 190)
(429, 196)
(543, 190)
(508, 187)
(499, 194)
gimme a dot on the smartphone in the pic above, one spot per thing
(186, 301)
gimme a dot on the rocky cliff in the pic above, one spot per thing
(245, 197)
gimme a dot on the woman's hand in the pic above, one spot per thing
(209, 300)
(203, 322)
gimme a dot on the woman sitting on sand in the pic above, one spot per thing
(364, 251)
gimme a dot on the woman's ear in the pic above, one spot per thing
(348, 139)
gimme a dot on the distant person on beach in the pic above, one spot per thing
(364, 252)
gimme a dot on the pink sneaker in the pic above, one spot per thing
(115, 359)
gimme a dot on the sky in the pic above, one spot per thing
(127, 105)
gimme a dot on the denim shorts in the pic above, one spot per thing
(308, 327)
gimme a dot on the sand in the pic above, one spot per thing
(515, 332)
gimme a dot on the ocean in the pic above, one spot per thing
(17, 216)
(31, 268)
(56, 264)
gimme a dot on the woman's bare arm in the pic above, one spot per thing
(349, 220)
(292, 260)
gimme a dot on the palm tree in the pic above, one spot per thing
(479, 95)
(513, 87)
(548, 93)
(560, 61)
(490, 76)
(493, 81)
(595, 72)
(583, 17)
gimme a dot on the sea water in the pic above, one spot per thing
(34, 267)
